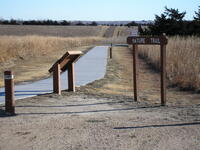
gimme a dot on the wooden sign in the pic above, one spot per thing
(150, 40)
(134, 33)
(68, 58)
(143, 40)
(66, 62)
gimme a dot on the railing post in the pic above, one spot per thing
(71, 79)
(56, 79)
(9, 92)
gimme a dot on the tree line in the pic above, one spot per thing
(172, 22)
(57, 23)
(44, 22)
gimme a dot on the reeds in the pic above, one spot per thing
(14, 47)
(183, 61)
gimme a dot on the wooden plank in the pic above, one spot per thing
(71, 79)
(144, 40)
(68, 57)
(56, 79)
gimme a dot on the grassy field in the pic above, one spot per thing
(61, 31)
(64, 31)
(39, 42)
(183, 63)
(24, 47)
(182, 53)
(30, 56)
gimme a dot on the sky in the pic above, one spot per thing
(93, 10)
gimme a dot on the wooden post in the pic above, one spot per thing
(135, 55)
(56, 79)
(71, 79)
(110, 52)
(9, 92)
(163, 74)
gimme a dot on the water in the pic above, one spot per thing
(90, 67)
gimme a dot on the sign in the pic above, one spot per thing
(134, 33)
(66, 62)
(8, 77)
(68, 58)
(142, 40)
(150, 40)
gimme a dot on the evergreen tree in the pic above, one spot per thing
(197, 15)
(174, 14)
(170, 22)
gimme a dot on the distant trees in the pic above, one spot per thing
(93, 23)
(172, 22)
(11, 22)
(80, 23)
(34, 22)
(46, 22)
(133, 23)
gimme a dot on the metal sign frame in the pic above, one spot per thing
(149, 40)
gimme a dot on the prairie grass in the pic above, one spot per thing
(30, 56)
(14, 47)
(59, 31)
(183, 61)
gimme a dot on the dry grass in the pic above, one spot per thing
(183, 63)
(31, 56)
(14, 47)
(59, 31)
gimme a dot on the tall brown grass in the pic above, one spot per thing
(59, 31)
(14, 47)
(183, 61)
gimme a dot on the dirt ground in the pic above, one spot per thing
(103, 115)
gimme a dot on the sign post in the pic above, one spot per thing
(71, 79)
(56, 79)
(163, 74)
(135, 70)
(150, 40)
(9, 92)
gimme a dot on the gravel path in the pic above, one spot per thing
(79, 121)
(103, 116)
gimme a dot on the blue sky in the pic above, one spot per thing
(97, 10)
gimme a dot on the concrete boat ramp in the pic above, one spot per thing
(90, 67)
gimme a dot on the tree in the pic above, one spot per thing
(132, 23)
(65, 23)
(197, 15)
(170, 22)
(93, 23)
(174, 14)
(80, 23)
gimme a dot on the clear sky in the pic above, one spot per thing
(95, 10)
